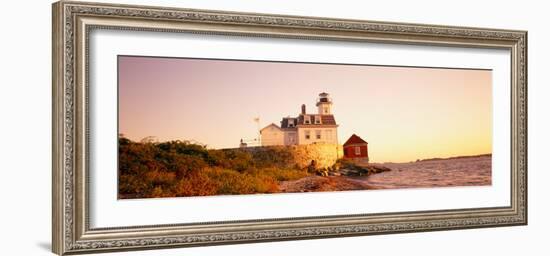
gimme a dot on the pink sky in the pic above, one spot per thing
(404, 113)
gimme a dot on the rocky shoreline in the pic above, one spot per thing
(456, 171)
(342, 179)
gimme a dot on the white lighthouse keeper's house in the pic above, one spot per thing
(305, 128)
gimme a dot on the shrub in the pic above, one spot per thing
(183, 147)
(160, 178)
(160, 192)
(239, 160)
(229, 182)
(196, 184)
(263, 184)
(179, 168)
(132, 186)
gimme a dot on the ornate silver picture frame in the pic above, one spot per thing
(74, 21)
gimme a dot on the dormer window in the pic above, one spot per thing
(317, 119)
(307, 119)
(290, 122)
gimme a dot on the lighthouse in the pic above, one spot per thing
(306, 128)
(324, 104)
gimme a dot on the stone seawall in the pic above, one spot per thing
(325, 155)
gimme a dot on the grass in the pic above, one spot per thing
(180, 168)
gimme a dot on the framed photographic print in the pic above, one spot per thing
(179, 127)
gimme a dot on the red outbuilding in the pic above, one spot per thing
(357, 150)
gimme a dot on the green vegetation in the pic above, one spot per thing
(181, 168)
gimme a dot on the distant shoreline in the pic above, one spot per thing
(439, 158)
(475, 170)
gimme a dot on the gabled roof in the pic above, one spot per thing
(354, 139)
(272, 124)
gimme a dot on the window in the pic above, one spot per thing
(307, 134)
(317, 119)
(318, 134)
(307, 119)
(290, 122)
(357, 151)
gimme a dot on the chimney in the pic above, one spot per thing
(303, 109)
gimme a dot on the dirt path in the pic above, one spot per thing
(318, 183)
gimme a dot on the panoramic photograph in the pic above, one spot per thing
(210, 127)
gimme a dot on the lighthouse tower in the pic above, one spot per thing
(324, 104)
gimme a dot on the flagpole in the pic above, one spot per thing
(257, 120)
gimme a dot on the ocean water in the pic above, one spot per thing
(467, 171)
